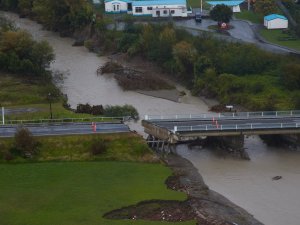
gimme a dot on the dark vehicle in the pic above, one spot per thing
(198, 17)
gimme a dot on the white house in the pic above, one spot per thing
(154, 8)
(234, 5)
(275, 21)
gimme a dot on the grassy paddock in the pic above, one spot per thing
(20, 92)
(250, 16)
(273, 36)
(121, 147)
(79, 192)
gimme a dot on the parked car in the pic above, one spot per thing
(198, 17)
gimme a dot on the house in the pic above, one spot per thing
(234, 5)
(275, 21)
(154, 8)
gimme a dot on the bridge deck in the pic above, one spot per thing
(216, 125)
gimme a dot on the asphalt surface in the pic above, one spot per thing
(261, 122)
(65, 129)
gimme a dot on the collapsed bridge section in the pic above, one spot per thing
(228, 128)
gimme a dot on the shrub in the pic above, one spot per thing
(25, 143)
(84, 108)
(98, 146)
(120, 111)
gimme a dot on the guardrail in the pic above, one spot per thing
(66, 120)
(235, 127)
(226, 115)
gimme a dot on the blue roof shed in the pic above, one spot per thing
(274, 16)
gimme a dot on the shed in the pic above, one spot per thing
(275, 21)
(234, 5)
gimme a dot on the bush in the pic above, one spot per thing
(98, 146)
(120, 111)
(25, 143)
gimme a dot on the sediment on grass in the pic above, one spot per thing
(203, 205)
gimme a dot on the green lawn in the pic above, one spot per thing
(21, 92)
(273, 36)
(197, 4)
(250, 16)
(79, 193)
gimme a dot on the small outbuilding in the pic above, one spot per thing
(234, 5)
(275, 21)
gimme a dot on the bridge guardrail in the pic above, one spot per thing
(64, 120)
(226, 115)
(235, 127)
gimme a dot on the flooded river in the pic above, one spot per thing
(249, 184)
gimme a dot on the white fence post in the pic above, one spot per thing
(146, 117)
(3, 121)
(175, 129)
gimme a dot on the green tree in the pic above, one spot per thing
(291, 76)
(25, 143)
(221, 13)
(265, 7)
(185, 54)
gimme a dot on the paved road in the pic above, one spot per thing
(65, 129)
(242, 32)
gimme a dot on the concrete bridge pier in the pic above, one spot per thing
(158, 145)
(233, 144)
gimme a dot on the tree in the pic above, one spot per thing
(185, 54)
(265, 7)
(221, 13)
(291, 76)
(25, 143)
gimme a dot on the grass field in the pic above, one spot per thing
(79, 193)
(21, 92)
(273, 36)
(250, 16)
(120, 147)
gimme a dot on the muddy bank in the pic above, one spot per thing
(204, 205)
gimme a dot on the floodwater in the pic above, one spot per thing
(249, 184)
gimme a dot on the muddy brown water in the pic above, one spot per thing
(249, 184)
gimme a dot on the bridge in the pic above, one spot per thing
(228, 127)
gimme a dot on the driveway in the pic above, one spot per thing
(242, 32)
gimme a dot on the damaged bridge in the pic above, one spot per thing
(226, 128)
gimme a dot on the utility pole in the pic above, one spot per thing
(201, 5)
(249, 5)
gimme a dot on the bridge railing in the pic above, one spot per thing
(225, 115)
(235, 127)
(65, 120)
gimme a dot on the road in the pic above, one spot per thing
(65, 129)
(242, 32)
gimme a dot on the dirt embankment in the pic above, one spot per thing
(203, 205)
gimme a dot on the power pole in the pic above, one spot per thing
(201, 5)
(249, 5)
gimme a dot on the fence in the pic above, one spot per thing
(236, 127)
(226, 115)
